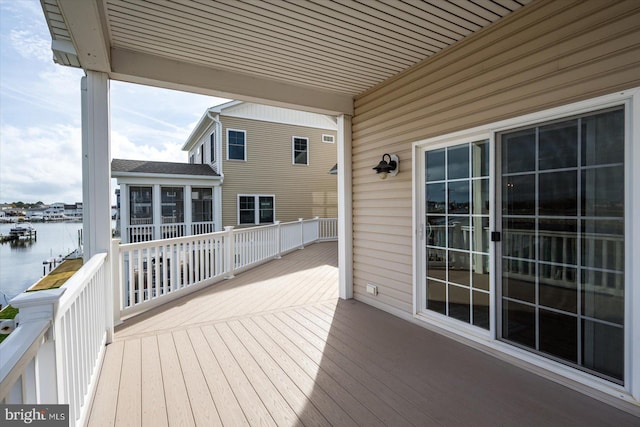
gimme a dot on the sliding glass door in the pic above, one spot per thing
(457, 186)
(560, 197)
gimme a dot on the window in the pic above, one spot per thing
(457, 209)
(329, 139)
(172, 199)
(201, 204)
(300, 151)
(201, 149)
(140, 205)
(192, 159)
(256, 209)
(236, 144)
(562, 255)
(212, 147)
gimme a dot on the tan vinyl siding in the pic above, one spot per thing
(301, 191)
(547, 54)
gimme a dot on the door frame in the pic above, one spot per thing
(488, 342)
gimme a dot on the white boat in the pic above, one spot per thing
(23, 231)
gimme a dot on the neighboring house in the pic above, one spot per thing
(73, 210)
(164, 199)
(260, 164)
(275, 161)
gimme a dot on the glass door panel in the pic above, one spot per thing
(457, 244)
(562, 253)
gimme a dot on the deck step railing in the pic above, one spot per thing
(148, 274)
(55, 353)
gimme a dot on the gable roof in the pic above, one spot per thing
(122, 167)
(265, 113)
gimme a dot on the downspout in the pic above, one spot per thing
(217, 206)
(218, 130)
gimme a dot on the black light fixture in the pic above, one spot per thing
(391, 167)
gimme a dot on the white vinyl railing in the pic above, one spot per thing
(147, 232)
(171, 230)
(202, 227)
(55, 353)
(140, 233)
(151, 273)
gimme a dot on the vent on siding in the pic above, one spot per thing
(329, 139)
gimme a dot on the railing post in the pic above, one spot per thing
(34, 307)
(113, 308)
(278, 241)
(317, 220)
(301, 221)
(229, 252)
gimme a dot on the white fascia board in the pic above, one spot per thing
(274, 114)
(142, 68)
(153, 178)
(85, 23)
(220, 109)
(196, 134)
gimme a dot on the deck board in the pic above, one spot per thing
(129, 412)
(154, 408)
(275, 346)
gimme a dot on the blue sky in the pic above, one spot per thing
(40, 129)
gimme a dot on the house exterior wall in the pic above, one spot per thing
(300, 190)
(545, 55)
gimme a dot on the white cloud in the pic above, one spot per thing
(123, 148)
(40, 163)
(40, 115)
(30, 45)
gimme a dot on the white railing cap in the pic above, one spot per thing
(36, 298)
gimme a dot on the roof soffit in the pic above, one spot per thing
(310, 55)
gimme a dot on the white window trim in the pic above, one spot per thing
(212, 147)
(333, 138)
(293, 150)
(245, 145)
(256, 215)
(474, 336)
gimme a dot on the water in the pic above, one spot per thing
(21, 262)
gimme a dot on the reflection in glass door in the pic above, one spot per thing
(562, 253)
(457, 244)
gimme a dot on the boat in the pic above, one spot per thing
(22, 231)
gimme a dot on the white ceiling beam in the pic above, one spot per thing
(84, 20)
(142, 68)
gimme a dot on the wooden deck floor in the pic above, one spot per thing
(275, 346)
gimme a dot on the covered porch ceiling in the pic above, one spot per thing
(314, 55)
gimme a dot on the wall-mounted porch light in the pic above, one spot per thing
(391, 167)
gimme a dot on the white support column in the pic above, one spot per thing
(345, 212)
(217, 207)
(188, 218)
(96, 167)
(125, 218)
(156, 198)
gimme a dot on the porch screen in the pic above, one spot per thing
(201, 204)
(141, 205)
(562, 204)
(172, 205)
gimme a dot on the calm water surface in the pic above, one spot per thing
(21, 262)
